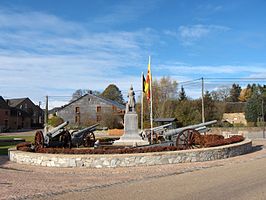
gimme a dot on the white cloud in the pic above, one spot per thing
(205, 70)
(184, 73)
(126, 11)
(188, 35)
(210, 8)
(42, 54)
(193, 32)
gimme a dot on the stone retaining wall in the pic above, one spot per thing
(128, 160)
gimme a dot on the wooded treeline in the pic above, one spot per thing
(169, 102)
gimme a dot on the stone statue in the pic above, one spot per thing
(131, 134)
(131, 104)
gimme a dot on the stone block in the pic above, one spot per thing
(131, 136)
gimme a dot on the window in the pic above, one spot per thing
(98, 109)
(99, 118)
(114, 109)
(6, 123)
(89, 99)
(26, 106)
(77, 119)
(77, 110)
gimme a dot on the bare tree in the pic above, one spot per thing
(221, 94)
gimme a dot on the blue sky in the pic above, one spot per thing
(52, 47)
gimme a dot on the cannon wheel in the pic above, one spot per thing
(155, 137)
(88, 139)
(39, 140)
(66, 139)
(186, 139)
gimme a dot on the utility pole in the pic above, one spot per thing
(151, 113)
(202, 101)
(142, 101)
(262, 119)
(46, 115)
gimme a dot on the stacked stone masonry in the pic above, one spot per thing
(129, 160)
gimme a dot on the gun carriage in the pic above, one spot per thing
(57, 137)
(183, 138)
(84, 137)
(60, 137)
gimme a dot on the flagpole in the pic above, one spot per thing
(151, 115)
(142, 106)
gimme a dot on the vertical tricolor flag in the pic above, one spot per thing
(147, 82)
(143, 83)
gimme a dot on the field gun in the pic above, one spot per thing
(56, 137)
(157, 131)
(183, 138)
(84, 137)
(176, 131)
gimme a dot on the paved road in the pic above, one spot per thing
(242, 177)
(256, 135)
(238, 181)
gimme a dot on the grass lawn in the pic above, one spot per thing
(4, 146)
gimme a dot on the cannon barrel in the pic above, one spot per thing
(179, 130)
(54, 130)
(159, 128)
(156, 129)
(85, 130)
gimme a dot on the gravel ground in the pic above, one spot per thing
(30, 182)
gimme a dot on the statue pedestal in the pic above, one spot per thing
(131, 136)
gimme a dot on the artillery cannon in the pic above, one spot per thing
(183, 138)
(157, 132)
(84, 137)
(60, 137)
(57, 137)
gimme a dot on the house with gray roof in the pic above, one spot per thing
(24, 106)
(4, 115)
(90, 109)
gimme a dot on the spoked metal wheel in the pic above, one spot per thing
(39, 140)
(88, 139)
(186, 139)
(155, 137)
(66, 139)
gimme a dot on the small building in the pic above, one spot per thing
(19, 113)
(53, 112)
(4, 115)
(26, 108)
(19, 119)
(234, 113)
(235, 118)
(90, 109)
(163, 121)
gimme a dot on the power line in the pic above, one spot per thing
(255, 78)
(189, 81)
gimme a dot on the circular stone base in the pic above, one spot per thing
(129, 160)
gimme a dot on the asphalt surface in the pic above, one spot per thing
(236, 181)
(241, 177)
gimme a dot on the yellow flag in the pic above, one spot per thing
(147, 82)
